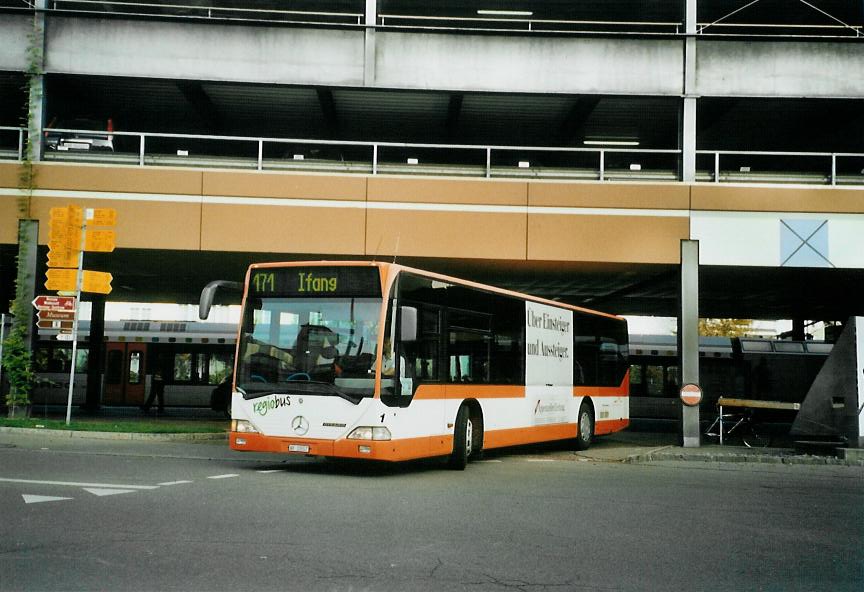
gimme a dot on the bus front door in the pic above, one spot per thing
(125, 365)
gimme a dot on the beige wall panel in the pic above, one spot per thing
(8, 220)
(446, 234)
(118, 179)
(452, 191)
(279, 229)
(777, 199)
(622, 239)
(8, 175)
(609, 195)
(140, 224)
(285, 185)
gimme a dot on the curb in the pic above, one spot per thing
(166, 437)
(777, 456)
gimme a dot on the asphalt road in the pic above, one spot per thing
(148, 516)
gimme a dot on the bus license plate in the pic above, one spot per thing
(298, 448)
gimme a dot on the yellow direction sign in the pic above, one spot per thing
(64, 280)
(64, 236)
(103, 217)
(72, 215)
(97, 281)
(99, 241)
(62, 259)
(61, 279)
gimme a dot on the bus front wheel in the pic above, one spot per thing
(463, 437)
(586, 426)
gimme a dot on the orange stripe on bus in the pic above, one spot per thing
(391, 450)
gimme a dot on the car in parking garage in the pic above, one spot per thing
(79, 134)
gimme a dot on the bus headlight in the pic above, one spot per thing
(369, 433)
(242, 426)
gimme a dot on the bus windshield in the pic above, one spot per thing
(295, 343)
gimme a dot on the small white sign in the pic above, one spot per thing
(64, 337)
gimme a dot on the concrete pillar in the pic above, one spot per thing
(28, 234)
(688, 125)
(688, 337)
(36, 82)
(96, 355)
(369, 46)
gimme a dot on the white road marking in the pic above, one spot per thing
(75, 484)
(175, 483)
(539, 460)
(228, 476)
(35, 499)
(104, 492)
(271, 471)
(490, 461)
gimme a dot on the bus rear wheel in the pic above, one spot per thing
(586, 426)
(463, 440)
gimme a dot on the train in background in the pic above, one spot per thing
(196, 357)
(193, 358)
(745, 368)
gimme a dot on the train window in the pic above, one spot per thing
(789, 347)
(183, 367)
(135, 367)
(635, 379)
(755, 346)
(673, 381)
(218, 368)
(58, 359)
(114, 367)
(654, 383)
(820, 348)
(200, 368)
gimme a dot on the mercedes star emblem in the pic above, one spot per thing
(300, 425)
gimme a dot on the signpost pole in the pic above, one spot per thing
(79, 278)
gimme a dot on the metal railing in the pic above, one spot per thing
(466, 160)
(12, 142)
(485, 23)
(238, 13)
(824, 169)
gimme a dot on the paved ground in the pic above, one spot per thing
(108, 514)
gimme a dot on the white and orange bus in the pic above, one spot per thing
(381, 361)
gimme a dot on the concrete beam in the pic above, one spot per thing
(780, 69)
(14, 29)
(368, 57)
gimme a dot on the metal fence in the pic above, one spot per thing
(483, 161)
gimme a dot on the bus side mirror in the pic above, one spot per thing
(408, 324)
(209, 293)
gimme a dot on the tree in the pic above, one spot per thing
(725, 327)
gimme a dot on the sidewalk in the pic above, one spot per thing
(643, 442)
(632, 446)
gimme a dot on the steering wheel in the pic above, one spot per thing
(299, 376)
(257, 378)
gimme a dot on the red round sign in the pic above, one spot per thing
(691, 394)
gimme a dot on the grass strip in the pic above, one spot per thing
(137, 427)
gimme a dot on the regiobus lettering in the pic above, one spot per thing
(381, 361)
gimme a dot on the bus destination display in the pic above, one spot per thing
(315, 281)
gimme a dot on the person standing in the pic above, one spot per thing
(157, 391)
